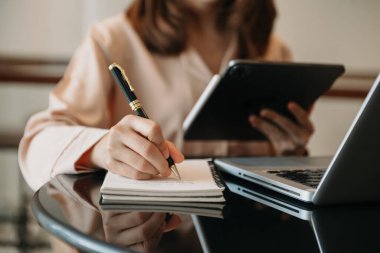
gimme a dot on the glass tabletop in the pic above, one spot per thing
(252, 220)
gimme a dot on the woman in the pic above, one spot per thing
(170, 49)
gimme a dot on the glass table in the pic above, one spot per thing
(252, 220)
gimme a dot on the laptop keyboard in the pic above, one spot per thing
(306, 177)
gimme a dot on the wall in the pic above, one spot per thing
(342, 31)
(49, 28)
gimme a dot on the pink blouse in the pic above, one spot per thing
(86, 102)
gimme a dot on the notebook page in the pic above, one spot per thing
(195, 173)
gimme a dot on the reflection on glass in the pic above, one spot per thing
(339, 228)
(142, 231)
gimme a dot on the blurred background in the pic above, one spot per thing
(38, 37)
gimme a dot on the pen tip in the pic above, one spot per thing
(175, 170)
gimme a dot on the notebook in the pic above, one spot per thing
(351, 176)
(208, 209)
(200, 183)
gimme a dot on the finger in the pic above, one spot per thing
(301, 115)
(117, 222)
(130, 157)
(269, 130)
(279, 140)
(137, 218)
(145, 231)
(174, 152)
(151, 244)
(151, 130)
(286, 125)
(147, 150)
(126, 170)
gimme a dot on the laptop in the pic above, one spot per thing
(336, 228)
(351, 176)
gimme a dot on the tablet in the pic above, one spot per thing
(245, 87)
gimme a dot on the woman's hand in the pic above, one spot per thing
(287, 137)
(135, 148)
(141, 231)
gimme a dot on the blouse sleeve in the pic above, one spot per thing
(77, 117)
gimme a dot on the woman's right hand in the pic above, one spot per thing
(140, 231)
(135, 148)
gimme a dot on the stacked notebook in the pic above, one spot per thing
(200, 191)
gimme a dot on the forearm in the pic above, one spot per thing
(55, 150)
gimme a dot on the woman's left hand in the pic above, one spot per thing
(287, 137)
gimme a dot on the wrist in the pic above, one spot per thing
(97, 153)
(90, 158)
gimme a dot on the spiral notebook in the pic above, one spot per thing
(200, 183)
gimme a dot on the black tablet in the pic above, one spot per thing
(246, 87)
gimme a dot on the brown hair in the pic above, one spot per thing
(162, 24)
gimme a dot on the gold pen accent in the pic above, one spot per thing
(135, 105)
(115, 65)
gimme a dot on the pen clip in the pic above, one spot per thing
(115, 65)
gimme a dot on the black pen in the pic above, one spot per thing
(122, 80)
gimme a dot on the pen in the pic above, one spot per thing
(122, 80)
